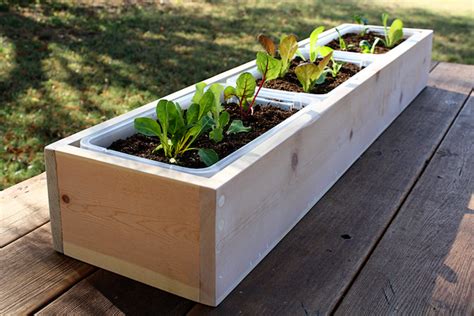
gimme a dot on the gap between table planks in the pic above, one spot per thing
(424, 262)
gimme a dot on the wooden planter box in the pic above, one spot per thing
(198, 237)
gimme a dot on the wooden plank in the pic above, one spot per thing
(33, 273)
(311, 268)
(106, 293)
(297, 167)
(433, 65)
(131, 223)
(53, 199)
(23, 208)
(425, 262)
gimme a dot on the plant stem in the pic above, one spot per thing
(259, 87)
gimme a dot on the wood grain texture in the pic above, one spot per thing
(425, 261)
(136, 224)
(53, 199)
(32, 273)
(313, 265)
(106, 293)
(296, 168)
(23, 208)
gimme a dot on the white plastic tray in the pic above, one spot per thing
(362, 60)
(103, 138)
(408, 34)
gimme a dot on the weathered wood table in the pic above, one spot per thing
(394, 234)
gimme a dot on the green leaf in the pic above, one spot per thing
(147, 126)
(192, 114)
(309, 73)
(217, 90)
(342, 43)
(287, 50)
(237, 127)
(176, 120)
(313, 45)
(395, 33)
(224, 119)
(365, 46)
(306, 74)
(268, 66)
(199, 92)
(384, 19)
(377, 40)
(245, 86)
(324, 50)
(206, 103)
(217, 134)
(229, 92)
(162, 114)
(208, 156)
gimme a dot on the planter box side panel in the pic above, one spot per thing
(139, 225)
(267, 198)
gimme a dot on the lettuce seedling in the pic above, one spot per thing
(342, 42)
(310, 74)
(335, 68)
(243, 91)
(286, 50)
(220, 118)
(394, 34)
(314, 48)
(176, 131)
(367, 48)
(362, 21)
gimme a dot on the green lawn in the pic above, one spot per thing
(65, 67)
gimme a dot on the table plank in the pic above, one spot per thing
(308, 272)
(106, 293)
(33, 273)
(23, 208)
(425, 261)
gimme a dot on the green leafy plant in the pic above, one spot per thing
(178, 131)
(367, 48)
(314, 48)
(362, 21)
(336, 66)
(220, 118)
(342, 43)
(244, 91)
(286, 50)
(310, 74)
(394, 34)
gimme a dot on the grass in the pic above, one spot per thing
(66, 66)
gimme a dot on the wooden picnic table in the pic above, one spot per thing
(393, 235)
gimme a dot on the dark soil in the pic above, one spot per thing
(263, 119)
(355, 38)
(291, 83)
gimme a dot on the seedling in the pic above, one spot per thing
(310, 74)
(314, 48)
(269, 67)
(394, 34)
(177, 132)
(362, 21)
(286, 50)
(220, 118)
(342, 43)
(335, 67)
(243, 91)
(367, 48)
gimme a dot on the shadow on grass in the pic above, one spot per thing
(73, 66)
